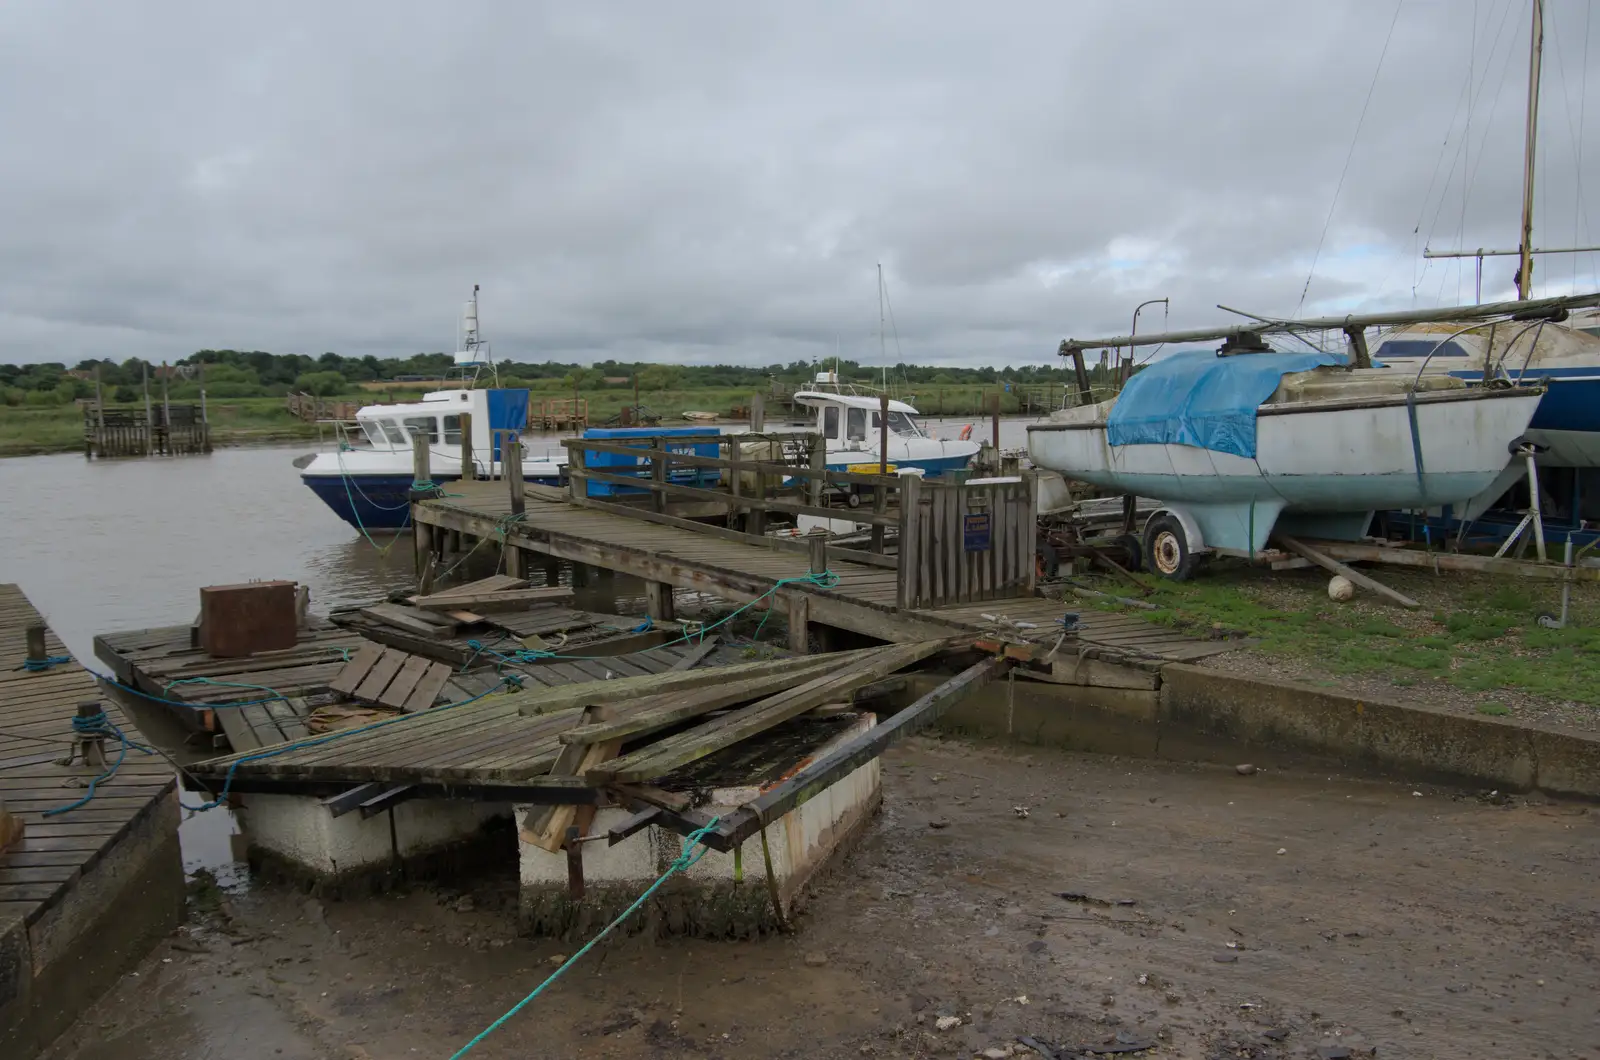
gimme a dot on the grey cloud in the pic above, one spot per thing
(703, 182)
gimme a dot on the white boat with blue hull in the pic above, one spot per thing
(852, 427)
(368, 483)
(1236, 447)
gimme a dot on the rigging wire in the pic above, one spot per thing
(1583, 103)
(1580, 210)
(1349, 155)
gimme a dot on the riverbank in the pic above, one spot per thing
(36, 431)
(959, 926)
(1474, 646)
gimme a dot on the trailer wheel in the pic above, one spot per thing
(1129, 546)
(853, 499)
(1166, 549)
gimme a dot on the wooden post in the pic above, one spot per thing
(1082, 373)
(421, 472)
(799, 624)
(99, 401)
(819, 553)
(512, 452)
(11, 829)
(205, 414)
(166, 412)
(758, 414)
(818, 446)
(911, 545)
(1030, 530)
(577, 481)
(512, 559)
(149, 414)
(468, 471)
(994, 409)
(758, 515)
(658, 601)
(33, 637)
(880, 506)
(658, 474)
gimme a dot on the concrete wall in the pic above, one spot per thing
(56, 967)
(729, 888)
(300, 833)
(1203, 714)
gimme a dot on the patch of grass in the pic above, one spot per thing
(1494, 710)
(1473, 633)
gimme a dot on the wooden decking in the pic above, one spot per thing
(36, 710)
(862, 600)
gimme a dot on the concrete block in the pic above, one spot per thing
(723, 894)
(1075, 717)
(300, 831)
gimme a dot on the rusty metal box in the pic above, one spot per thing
(242, 619)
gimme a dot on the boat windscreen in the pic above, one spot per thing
(899, 423)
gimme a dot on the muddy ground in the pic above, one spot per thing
(1273, 915)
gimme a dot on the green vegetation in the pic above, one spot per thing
(40, 403)
(1474, 634)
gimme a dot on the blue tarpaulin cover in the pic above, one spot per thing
(1203, 400)
(508, 411)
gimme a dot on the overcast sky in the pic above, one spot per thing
(717, 182)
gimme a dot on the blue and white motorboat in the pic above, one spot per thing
(368, 481)
(853, 430)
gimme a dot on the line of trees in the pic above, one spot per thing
(255, 373)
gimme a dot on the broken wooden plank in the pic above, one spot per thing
(675, 752)
(349, 678)
(504, 600)
(405, 682)
(1300, 548)
(381, 674)
(464, 618)
(428, 688)
(696, 654)
(654, 713)
(409, 619)
(547, 827)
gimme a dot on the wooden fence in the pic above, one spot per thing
(310, 408)
(964, 543)
(172, 430)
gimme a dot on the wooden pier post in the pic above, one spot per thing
(577, 481)
(512, 453)
(658, 601)
(421, 472)
(658, 475)
(799, 624)
(33, 637)
(149, 416)
(166, 412)
(468, 471)
(512, 559)
(818, 446)
(205, 415)
(819, 553)
(758, 414)
(995, 422)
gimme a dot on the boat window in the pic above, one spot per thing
(452, 430)
(1419, 348)
(426, 426)
(899, 423)
(371, 430)
(392, 431)
(856, 425)
(830, 421)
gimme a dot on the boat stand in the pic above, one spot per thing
(1534, 515)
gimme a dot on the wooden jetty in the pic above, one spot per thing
(157, 428)
(965, 550)
(84, 893)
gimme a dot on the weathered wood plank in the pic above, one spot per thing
(405, 681)
(382, 672)
(428, 688)
(357, 668)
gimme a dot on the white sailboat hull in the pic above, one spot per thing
(1336, 461)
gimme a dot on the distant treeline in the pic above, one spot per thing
(238, 374)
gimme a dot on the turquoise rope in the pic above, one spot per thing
(98, 725)
(826, 580)
(687, 857)
(40, 665)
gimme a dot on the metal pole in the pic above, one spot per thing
(1134, 330)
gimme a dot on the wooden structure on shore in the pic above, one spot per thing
(309, 408)
(85, 892)
(559, 414)
(167, 430)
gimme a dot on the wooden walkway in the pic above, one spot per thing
(863, 600)
(36, 711)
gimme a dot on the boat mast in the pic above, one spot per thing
(883, 353)
(1531, 142)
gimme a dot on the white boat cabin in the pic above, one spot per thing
(853, 421)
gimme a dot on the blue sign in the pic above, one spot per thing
(975, 532)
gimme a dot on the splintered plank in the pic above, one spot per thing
(547, 827)
(428, 688)
(409, 619)
(381, 674)
(405, 682)
(348, 679)
(504, 600)
(664, 756)
(693, 657)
